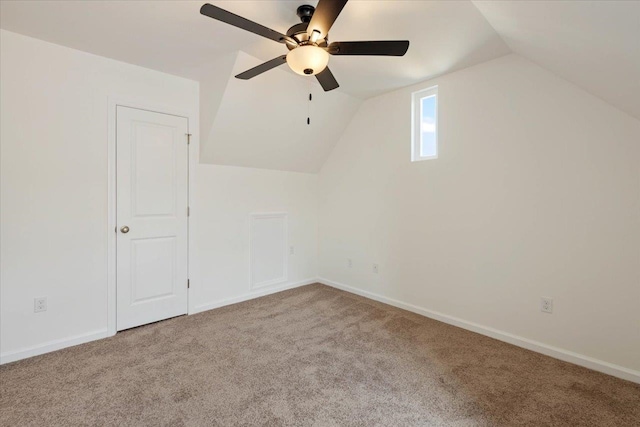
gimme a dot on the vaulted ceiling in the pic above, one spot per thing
(265, 124)
(172, 36)
(595, 45)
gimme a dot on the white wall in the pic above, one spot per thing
(53, 233)
(226, 197)
(536, 193)
(54, 218)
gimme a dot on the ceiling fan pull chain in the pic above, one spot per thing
(309, 105)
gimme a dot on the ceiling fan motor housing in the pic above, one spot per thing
(299, 31)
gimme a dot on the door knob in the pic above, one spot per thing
(124, 229)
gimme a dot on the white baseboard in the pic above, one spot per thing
(555, 352)
(53, 346)
(253, 294)
(59, 344)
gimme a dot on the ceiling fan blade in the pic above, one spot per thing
(275, 62)
(238, 21)
(324, 16)
(326, 80)
(384, 48)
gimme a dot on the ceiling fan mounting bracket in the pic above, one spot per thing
(305, 12)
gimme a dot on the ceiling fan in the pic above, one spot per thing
(308, 42)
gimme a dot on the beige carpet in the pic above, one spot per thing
(312, 356)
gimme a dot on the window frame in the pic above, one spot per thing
(416, 122)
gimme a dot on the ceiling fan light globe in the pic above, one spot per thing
(308, 60)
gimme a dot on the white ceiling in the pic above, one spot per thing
(594, 44)
(173, 37)
(265, 125)
(444, 36)
(260, 123)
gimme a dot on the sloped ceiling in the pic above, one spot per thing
(594, 44)
(260, 123)
(444, 35)
(173, 37)
(264, 124)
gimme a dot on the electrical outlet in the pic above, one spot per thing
(292, 250)
(349, 263)
(39, 304)
(375, 268)
(546, 305)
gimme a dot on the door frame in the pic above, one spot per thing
(114, 102)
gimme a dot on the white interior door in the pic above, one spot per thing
(152, 230)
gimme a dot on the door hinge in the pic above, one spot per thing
(188, 211)
(188, 284)
(188, 138)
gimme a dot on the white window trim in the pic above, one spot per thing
(416, 121)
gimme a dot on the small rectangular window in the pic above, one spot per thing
(424, 134)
